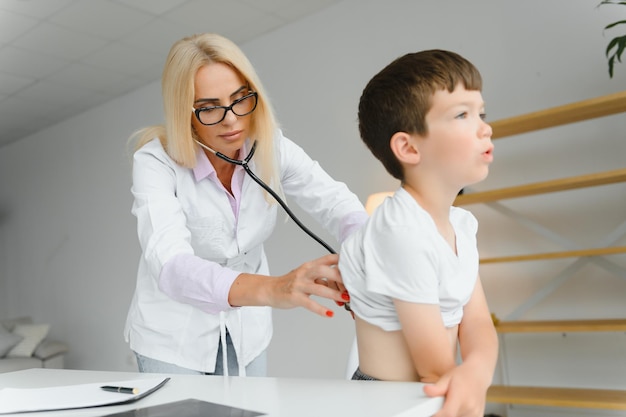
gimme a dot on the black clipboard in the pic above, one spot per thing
(188, 408)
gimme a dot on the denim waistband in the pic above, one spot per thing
(360, 376)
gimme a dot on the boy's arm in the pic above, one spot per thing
(465, 387)
(427, 339)
(477, 336)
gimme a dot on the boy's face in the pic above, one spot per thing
(458, 143)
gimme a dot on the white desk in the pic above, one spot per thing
(277, 397)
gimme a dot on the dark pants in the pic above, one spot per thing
(360, 376)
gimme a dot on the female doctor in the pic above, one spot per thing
(203, 297)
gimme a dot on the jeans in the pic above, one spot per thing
(258, 367)
(360, 376)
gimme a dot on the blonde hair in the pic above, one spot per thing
(184, 60)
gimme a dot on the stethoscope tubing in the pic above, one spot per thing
(246, 167)
(244, 163)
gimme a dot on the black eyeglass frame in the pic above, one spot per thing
(227, 108)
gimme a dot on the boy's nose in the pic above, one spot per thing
(486, 131)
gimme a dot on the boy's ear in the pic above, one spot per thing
(404, 147)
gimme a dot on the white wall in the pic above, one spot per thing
(68, 250)
(69, 243)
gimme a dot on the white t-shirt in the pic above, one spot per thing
(399, 254)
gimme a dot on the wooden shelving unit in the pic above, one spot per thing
(583, 398)
(565, 326)
(558, 397)
(563, 184)
(561, 115)
(606, 399)
(556, 255)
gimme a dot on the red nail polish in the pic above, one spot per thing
(329, 313)
(345, 296)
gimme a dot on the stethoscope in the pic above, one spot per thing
(244, 163)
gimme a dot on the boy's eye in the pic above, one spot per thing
(461, 115)
(483, 116)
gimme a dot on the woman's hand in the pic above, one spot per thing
(319, 277)
(342, 289)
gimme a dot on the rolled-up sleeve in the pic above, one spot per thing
(165, 237)
(201, 283)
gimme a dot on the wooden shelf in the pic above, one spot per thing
(551, 396)
(561, 326)
(613, 250)
(556, 116)
(558, 397)
(563, 184)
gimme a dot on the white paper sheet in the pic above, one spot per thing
(16, 400)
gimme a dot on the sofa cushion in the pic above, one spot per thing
(50, 348)
(8, 340)
(10, 324)
(32, 335)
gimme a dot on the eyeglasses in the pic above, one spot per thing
(215, 114)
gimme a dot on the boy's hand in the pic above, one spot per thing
(465, 396)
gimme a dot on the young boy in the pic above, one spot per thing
(412, 270)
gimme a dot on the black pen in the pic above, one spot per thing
(122, 390)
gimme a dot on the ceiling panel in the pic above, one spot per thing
(61, 57)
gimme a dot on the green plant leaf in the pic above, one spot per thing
(620, 42)
(611, 45)
(616, 46)
(620, 48)
(611, 2)
(621, 22)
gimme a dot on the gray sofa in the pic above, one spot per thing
(25, 345)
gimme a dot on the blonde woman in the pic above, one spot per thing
(203, 298)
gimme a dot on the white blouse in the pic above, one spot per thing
(187, 225)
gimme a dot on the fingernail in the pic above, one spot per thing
(329, 313)
(345, 296)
